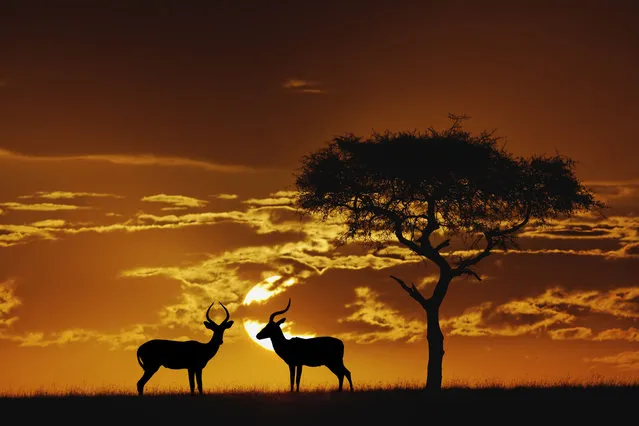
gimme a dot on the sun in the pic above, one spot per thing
(267, 289)
(252, 328)
(258, 294)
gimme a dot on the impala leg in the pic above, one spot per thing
(148, 373)
(291, 369)
(198, 377)
(192, 381)
(298, 377)
(348, 377)
(338, 370)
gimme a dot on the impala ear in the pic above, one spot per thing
(228, 324)
(280, 321)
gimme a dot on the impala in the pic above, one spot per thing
(177, 355)
(312, 352)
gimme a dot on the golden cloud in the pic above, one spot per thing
(588, 226)
(132, 160)
(49, 223)
(265, 216)
(609, 191)
(631, 334)
(57, 195)
(15, 234)
(391, 323)
(279, 198)
(43, 207)
(303, 86)
(8, 302)
(126, 339)
(570, 333)
(628, 360)
(583, 333)
(178, 201)
(547, 310)
(226, 196)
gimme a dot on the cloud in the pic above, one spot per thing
(571, 333)
(126, 339)
(43, 207)
(618, 302)
(390, 323)
(585, 333)
(8, 302)
(225, 196)
(631, 334)
(57, 195)
(303, 86)
(611, 191)
(628, 360)
(279, 198)
(622, 228)
(49, 223)
(16, 234)
(270, 287)
(178, 201)
(283, 265)
(133, 160)
(555, 307)
(276, 214)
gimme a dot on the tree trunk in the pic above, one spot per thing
(435, 339)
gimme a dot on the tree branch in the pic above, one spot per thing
(412, 292)
(469, 271)
(463, 266)
(427, 248)
(442, 245)
(397, 222)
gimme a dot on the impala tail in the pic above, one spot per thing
(140, 359)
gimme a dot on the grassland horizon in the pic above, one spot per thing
(325, 406)
(596, 382)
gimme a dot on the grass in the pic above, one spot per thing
(568, 400)
(450, 385)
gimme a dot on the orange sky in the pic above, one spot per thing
(147, 159)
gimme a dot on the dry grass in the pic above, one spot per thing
(370, 404)
(595, 382)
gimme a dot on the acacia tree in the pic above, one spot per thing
(426, 189)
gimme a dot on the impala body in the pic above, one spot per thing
(177, 355)
(313, 352)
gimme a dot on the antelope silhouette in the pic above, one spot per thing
(177, 355)
(312, 352)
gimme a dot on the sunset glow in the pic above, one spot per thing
(149, 153)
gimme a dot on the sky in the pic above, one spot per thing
(148, 153)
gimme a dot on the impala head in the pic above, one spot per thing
(218, 329)
(273, 326)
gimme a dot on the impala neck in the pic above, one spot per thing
(216, 339)
(279, 341)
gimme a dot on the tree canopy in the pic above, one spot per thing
(411, 184)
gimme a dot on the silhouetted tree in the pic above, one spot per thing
(425, 189)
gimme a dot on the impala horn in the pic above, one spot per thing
(227, 314)
(280, 312)
(207, 313)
